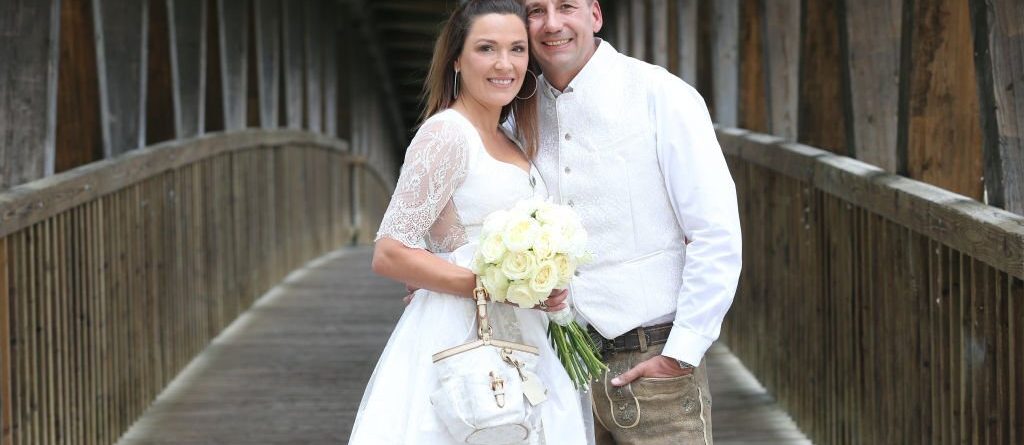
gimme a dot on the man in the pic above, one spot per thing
(632, 149)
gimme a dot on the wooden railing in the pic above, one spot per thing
(113, 276)
(876, 308)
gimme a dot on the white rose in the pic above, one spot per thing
(566, 269)
(478, 263)
(493, 248)
(520, 294)
(527, 207)
(554, 214)
(547, 242)
(544, 278)
(519, 265)
(520, 232)
(495, 222)
(578, 242)
(495, 282)
(547, 213)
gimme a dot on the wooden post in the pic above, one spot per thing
(314, 56)
(79, 138)
(28, 89)
(268, 57)
(686, 38)
(753, 105)
(725, 61)
(188, 35)
(638, 29)
(621, 21)
(121, 36)
(873, 30)
(940, 109)
(823, 114)
(659, 26)
(329, 38)
(233, 25)
(6, 399)
(159, 97)
(292, 14)
(999, 55)
(782, 60)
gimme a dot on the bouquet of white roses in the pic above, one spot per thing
(526, 252)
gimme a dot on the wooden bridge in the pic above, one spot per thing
(188, 189)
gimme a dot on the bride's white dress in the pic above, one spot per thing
(448, 185)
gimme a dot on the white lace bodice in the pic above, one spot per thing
(449, 183)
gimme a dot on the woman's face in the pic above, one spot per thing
(494, 60)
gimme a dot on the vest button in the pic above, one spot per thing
(568, 137)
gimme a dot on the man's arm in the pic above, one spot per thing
(703, 197)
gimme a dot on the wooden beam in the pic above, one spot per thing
(686, 38)
(822, 118)
(6, 396)
(159, 91)
(268, 59)
(188, 60)
(622, 22)
(28, 89)
(943, 131)
(638, 29)
(725, 61)
(121, 36)
(329, 37)
(233, 26)
(753, 106)
(79, 137)
(379, 66)
(424, 28)
(343, 35)
(293, 16)
(438, 8)
(999, 52)
(873, 32)
(659, 28)
(782, 60)
(314, 56)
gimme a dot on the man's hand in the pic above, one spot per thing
(658, 367)
(555, 301)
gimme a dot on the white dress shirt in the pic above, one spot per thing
(632, 149)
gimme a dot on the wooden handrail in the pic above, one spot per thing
(35, 201)
(989, 234)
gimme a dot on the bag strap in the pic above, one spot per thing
(481, 297)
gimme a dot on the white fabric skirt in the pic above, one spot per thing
(396, 408)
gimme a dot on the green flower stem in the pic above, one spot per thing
(577, 353)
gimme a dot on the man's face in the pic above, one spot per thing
(562, 33)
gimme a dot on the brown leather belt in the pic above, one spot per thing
(638, 339)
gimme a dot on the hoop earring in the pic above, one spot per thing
(536, 85)
(456, 88)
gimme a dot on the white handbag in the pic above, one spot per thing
(487, 387)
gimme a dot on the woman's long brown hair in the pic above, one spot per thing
(439, 88)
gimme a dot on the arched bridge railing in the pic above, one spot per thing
(877, 309)
(113, 276)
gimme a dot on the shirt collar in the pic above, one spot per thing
(590, 76)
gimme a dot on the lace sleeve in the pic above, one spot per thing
(435, 165)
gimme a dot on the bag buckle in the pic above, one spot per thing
(498, 387)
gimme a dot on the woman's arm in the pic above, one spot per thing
(421, 269)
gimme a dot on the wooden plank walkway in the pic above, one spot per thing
(292, 369)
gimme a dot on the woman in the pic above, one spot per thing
(461, 166)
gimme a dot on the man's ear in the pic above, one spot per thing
(598, 16)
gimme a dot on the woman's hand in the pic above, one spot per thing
(555, 301)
